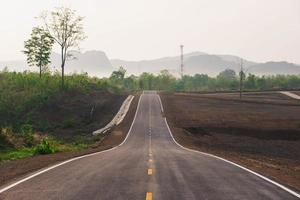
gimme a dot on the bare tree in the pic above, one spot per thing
(66, 27)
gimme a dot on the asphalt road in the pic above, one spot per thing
(149, 165)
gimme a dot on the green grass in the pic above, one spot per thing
(16, 154)
(55, 146)
(21, 93)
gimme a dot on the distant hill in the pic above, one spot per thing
(272, 68)
(96, 63)
(195, 62)
(202, 63)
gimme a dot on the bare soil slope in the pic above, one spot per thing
(74, 114)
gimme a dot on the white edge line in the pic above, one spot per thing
(161, 107)
(72, 159)
(129, 131)
(235, 164)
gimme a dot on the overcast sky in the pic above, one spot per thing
(258, 30)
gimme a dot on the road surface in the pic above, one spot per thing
(149, 165)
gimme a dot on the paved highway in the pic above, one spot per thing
(148, 165)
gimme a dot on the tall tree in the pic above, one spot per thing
(66, 27)
(38, 48)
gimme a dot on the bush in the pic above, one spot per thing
(27, 134)
(45, 147)
(69, 123)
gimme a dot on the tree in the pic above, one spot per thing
(117, 78)
(118, 75)
(38, 48)
(227, 74)
(227, 79)
(66, 28)
(242, 76)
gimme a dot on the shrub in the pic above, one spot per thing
(27, 134)
(69, 123)
(45, 147)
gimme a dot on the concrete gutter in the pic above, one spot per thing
(290, 94)
(118, 117)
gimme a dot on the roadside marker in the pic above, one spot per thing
(150, 172)
(149, 196)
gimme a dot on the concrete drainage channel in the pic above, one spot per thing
(118, 117)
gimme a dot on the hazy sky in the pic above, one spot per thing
(258, 30)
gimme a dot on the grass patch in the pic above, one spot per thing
(16, 154)
(46, 146)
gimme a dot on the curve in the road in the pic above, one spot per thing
(147, 165)
(233, 163)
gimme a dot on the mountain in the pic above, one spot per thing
(272, 68)
(195, 62)
(154, 66)
(96, 63)
(202, 63)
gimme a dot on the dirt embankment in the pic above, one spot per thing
(12, 170)
(75, 114)
(261, 131)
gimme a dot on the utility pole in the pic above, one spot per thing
(241, 78)
(181, 66)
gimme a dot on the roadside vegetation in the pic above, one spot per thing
(37, 116)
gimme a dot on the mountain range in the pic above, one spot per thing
(96, 63)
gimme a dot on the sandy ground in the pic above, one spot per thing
(261, 131)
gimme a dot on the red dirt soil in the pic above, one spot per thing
(260, 132)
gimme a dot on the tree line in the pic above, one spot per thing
(226, 80)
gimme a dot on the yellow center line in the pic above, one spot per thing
(150, 171)
(149, 196)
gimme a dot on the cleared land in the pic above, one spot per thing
(261, 131)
